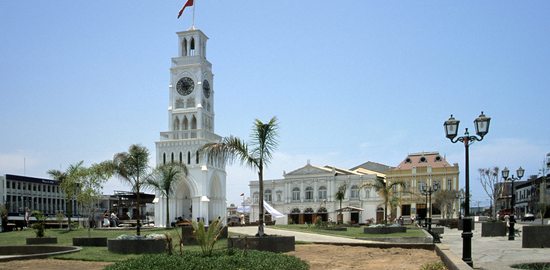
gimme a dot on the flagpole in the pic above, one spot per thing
(194, 5)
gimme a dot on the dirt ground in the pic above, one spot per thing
(318, 257)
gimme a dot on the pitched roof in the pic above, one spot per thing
(373, 166)
(423, 159)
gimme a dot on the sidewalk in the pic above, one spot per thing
(299, 236)
(495, 252)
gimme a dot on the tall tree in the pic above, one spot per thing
(70, 182)
(263, 142)
(340, 196)
(386, 191)
(444, 200)
(91, 187)
(164, 179)
(133, 168)
(492, 186)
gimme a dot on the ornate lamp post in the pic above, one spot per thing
(512, 219)
(428, 190)
(451, 130)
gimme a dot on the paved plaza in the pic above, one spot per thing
(487, 252)
(495, 252)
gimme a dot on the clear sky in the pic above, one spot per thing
(350, 81)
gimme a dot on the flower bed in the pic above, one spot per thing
(133, 244)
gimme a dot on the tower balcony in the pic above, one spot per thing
(189, 135)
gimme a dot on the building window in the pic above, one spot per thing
(354, 192)
(309, 194)
(406, 210)
(279, 196)
(322, 193)
(296, 194)
(367, 193)
(267, 195)
(255, 197)
(449, 184)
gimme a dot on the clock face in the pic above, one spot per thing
(185, 86)
(206, 88)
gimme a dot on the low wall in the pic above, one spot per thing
(384, 230)
(41, 240)
(90, 241)
(537, 236)
(135, 246)
(491, 229)
(273, 243)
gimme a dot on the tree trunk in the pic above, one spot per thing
(167, 213)
(138, 225)
(261, 201)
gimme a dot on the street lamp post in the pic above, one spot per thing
(512, 219)
(451, 130)
(428, 190)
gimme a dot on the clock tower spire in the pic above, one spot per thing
(201, 195)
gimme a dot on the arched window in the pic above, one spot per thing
(192, 47)
(172, 157)
(267, 195)
(322, 193)
(194, 122)
(295, 194)
(184, 47)
(185, 123)
(197, 157)
(181, 157)
(354, 192)
(163, 158)
(309, 194)
(255, 197)
(367, 193)
(188, 157)
(177, 123)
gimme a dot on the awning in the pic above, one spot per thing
(349, 209)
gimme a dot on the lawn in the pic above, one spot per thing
(352, 232)
(65, 238)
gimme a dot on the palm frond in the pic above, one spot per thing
(264, 139)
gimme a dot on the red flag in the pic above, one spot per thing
(187, 4)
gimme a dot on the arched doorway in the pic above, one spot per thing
(322, 213)
(216, 206)
(181, 204)
(379, 215)
(308, 215)
(294, 216)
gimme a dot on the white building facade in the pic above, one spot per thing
(308, 193)
(190, 126)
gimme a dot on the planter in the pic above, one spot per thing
(90, 241)
(460, 224)
(490, 229)
(136, 246)
(272, 243)
(384, 230)
(339, 229)
(41, 240)
(537, 236)
(438, 230)
(189, 238)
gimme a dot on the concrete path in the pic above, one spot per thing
(299, 236)
(495, 252)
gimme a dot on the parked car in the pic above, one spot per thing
(528, 217)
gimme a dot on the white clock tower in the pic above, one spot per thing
(190, 126)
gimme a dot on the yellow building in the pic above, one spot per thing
(427, 170)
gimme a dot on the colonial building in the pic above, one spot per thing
(309, 192)
(423, 169)
(20, 193)
(190, 126)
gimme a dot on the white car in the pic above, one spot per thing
(528, 216)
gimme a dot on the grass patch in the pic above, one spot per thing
(250, 260)
(352, 232)
(65, 238)
(532, 266)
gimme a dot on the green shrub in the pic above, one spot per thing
(39, 226)
(207, 238)
(532, 266)
(219, 260)
(433, 266)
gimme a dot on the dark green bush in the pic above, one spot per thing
(250, 259)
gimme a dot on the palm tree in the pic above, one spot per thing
(340, 195)
(263, 143)
(386, 191)
(132, 167)
(164, 179)
(69, 182)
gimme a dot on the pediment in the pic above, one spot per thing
(309, 170)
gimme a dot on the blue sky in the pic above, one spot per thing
(350, 82)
